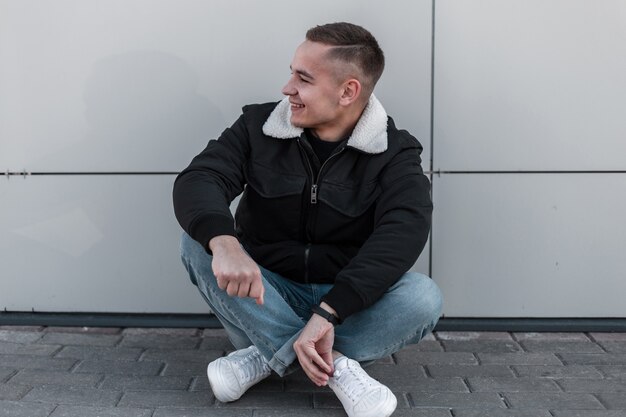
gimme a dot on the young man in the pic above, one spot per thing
(335, 210)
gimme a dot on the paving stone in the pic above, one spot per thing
(501, 413)
(518, 359)
(258, 400)
(178, 332)
(593, 385)
(554, 371)
(165, 398)
(609, 337)
(486, 346)
(84, 330)
(127, 382)
(181, 355)
(387, 372)
(612, 401)
(589, 413)
(614, 347)
(57, 394)
(453, 384)
(560, 346)
(212, 412)
(159, 341)
(85, 411)
(5, 373)
(593, 358)
(267, 385)
(491, 384)
(100, 353)
(20, 409)
(552, 336)
(22, 328)
(213, 332)
(37, 362)
(611, 371)
(388, 360)
(468, 370)
(336, 412)
(216, 343)
(80, 339)
(465, 336)
(422, 412)
(478, 400)
(30, 349)
(13, 391)
(429, 346)
(556, 400)
(119, 367)
(435, 358)
(303, 413)
(189, 369)
(38, 377)
(299, 382)
(19, 336)
(429, 337)
(330, 400)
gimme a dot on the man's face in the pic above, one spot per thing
(314, 88)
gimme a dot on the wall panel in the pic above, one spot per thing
(142, 85)
(530, 245)
(98, 243)
(530, 85)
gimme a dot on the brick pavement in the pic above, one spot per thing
(114, 372)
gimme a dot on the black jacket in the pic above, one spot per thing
(360, 223)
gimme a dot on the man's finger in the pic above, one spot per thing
(328, 359)
(315, 367)
(244, 290)
(314, 373)
(221, 282)
(257, 291)
(232, 289)
(321, 363)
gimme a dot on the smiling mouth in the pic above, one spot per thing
(297, 106)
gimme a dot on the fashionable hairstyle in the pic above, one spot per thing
(352, 44)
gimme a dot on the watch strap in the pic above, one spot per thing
(334, 320)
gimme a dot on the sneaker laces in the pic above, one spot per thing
(251, 366)
(353, 381)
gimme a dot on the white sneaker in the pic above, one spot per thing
(360, 394)
(231, 376)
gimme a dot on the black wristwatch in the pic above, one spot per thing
(334, 320)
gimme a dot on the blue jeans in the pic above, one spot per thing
(406, 313)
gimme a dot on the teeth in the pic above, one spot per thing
(297, 106)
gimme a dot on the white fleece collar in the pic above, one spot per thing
(369, 134)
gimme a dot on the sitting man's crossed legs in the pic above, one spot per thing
(264, 335)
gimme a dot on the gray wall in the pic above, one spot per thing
(106, 101)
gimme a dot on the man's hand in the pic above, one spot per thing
(235, 271)
(314, 348)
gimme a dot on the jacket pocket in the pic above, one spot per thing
(351, 200)
(272, 184)
(270, 209)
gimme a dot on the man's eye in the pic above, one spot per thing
(304, 81)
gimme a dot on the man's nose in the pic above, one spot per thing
(288, 89)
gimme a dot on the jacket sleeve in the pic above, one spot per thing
(402, 224)
(204, 190)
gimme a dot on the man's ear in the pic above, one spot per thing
(351, 92)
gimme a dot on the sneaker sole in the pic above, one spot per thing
(216, 383)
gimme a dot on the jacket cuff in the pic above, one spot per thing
(210, 226)
(344, 300)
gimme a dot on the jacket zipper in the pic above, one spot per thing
(314, 188)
